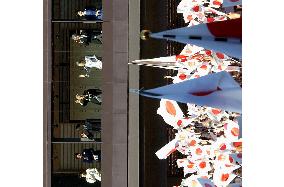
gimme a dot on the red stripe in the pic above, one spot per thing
(225, 29)
(205, 93)
(171, 151)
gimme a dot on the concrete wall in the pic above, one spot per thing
(115, 86)
(133, 99)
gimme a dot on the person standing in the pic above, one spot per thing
(90, 95)
(89, 129)
(90, 62)
(91, 14)
(89, 155)
(92, 175)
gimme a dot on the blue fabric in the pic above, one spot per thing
(87, 155)
(233, 47)
(90, 12)
(100, 16)
(226, 92)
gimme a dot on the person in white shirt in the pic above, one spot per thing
(88, 63)
(92, 175)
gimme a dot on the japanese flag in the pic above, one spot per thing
(231, 130)
(222, 178)
(182, 162)
(171, 113)
(219, 61)
(215, 3)
(215, 114)
(203, 166)
(222, 145)
(181, 76)
(186, 5)
(195, 75)
(190, 168)
(204, 68)
(168, 149)
(200, 152)
(218, 90)
(187, 62)
(224, 162)
(189, 50)
(187, 165)
(186, 139)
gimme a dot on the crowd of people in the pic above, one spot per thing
(210, 139)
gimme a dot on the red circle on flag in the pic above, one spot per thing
(237, 144)
(179, 122)
(198, 151)
(181, 58)
(192, 143)
(223, 146)
(208, 52)
(203, 67)
(209, 20)
(231, 159)
(197, 76)
(195, 8)
(202, 165)
(190, 166)
(220, 55)
(216, 111)
(189, 17)
(235, 131)
(170, 108)
(182, 76)
(224, 177)
(216, 3)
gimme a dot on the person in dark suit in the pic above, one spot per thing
(89, 155)
(91, 13)
(90, 124)
(87, 134)
(89, 129)
(82, 39)
(93, 95)
(90, 95)
(85, 37)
